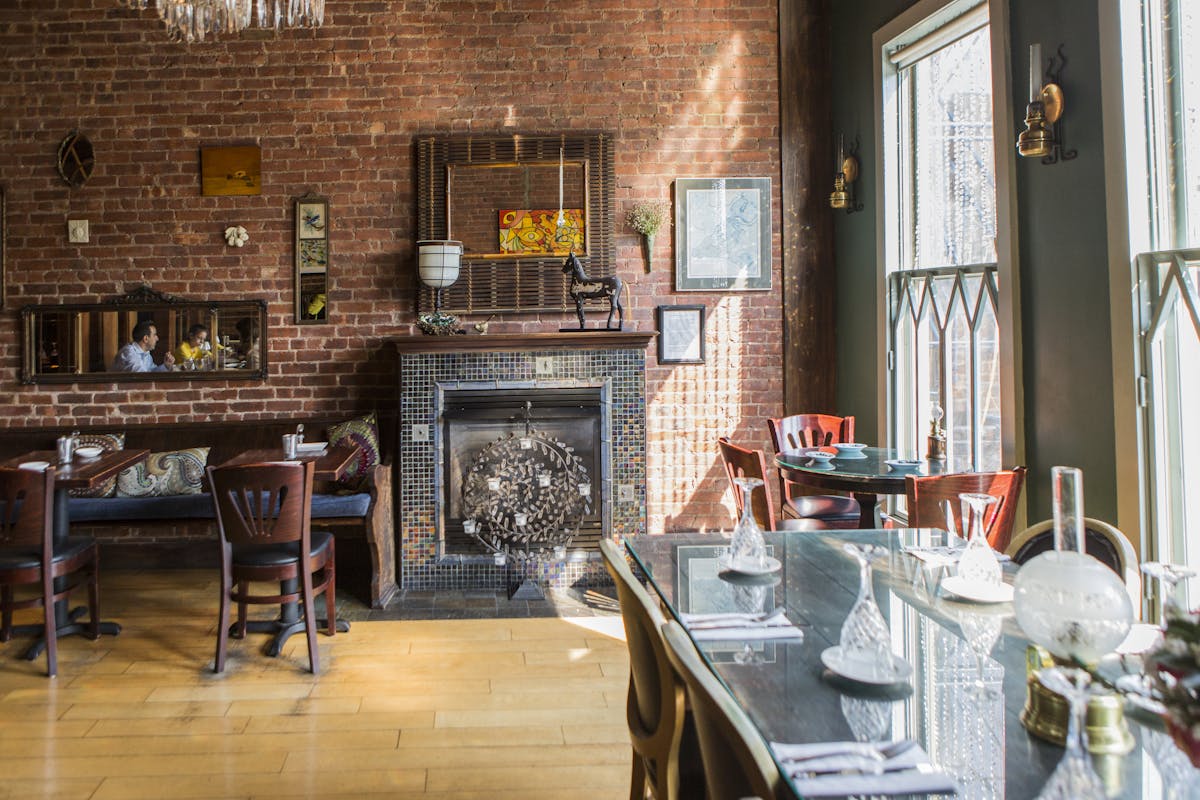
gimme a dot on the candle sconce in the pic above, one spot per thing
(1043, 134)
(843, 182)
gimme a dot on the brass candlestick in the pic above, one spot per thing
(1045, 713)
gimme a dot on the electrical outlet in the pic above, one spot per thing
(625, 493)
(543, 365)
(77, 230)
(420, 433)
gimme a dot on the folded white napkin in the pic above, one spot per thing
(908, 773)
(733, 626)
(944, 556)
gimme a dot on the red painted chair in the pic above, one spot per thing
(813, 430)
(926, 496)
(742, 463)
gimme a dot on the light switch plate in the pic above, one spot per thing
(77, 231)
(625, 493)
(543, 365)
(420, 433)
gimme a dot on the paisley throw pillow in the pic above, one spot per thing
(363, 432)
(162, 474)
(108, 442)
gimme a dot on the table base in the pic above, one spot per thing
(68, 628)
(283, 629)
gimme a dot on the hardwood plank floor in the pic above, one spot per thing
(458, 709)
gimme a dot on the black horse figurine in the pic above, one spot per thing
(585, 288)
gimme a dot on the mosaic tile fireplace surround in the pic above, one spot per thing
(430, 367)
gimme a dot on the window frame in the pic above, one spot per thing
(914, 23)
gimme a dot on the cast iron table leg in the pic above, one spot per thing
(290, 622)
(64, 617)
(868, 511)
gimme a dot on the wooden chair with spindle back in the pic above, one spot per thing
(928, 495)
(799, 431)
(742, 463)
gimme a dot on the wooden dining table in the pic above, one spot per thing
(791, 697)
(330, 463)
(865, 475)
(78, 473)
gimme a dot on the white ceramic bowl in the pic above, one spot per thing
(849, 447)
(36, 466)
(88, 452)
(820, 456)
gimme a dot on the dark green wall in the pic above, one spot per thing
(1065, 330)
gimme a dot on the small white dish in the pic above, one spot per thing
(978, 592)
(838, 664)
(903, 464)
(311, 447)
(769, 565)
(820, 456)
(849, 448)
(35, 466)
(89, 452)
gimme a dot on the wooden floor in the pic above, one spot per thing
(510, 709)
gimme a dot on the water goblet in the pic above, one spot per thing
(746, 547)
(1074, 776)
(1168, 577)
(865, 638)
(978, 564)
(981, 631)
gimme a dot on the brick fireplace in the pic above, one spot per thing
(608, 366)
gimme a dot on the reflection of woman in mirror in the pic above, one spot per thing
(195, 349)
(251, 347)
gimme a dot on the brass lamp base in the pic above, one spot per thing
(1046, 713)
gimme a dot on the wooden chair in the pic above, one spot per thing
(1104, 542)
(263, 519)
(926, 496)
(742, 463)
(737, 763)
(665, 754)
(813, 430)
(27, 547)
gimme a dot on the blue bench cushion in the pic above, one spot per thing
(197, 506)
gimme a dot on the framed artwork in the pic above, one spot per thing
(312, 260)
(231, 170)
(529, 232)
(680, 334)
(722, 234)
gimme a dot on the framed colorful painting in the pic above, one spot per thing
(537, 231)
(312, 260)
(722, 234)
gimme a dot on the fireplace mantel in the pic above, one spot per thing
(516, 342)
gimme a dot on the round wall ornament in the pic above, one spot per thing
(76, 159)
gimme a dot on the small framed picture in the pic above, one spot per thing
(680, 334)
(312, 219)
(722, 234)
(312, 260)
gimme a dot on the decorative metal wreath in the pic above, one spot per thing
(526, 492)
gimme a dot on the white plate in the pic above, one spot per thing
(88, 452)
(769, 565)
(978, 592)
(854, 670)
(903, 464)
(311, 447)
(36, 466)
(850, 455)
(819, 465)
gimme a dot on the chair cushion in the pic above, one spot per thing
(104, 509)
(175, 472)
(109, 443)
(823, 506)
(23, 558)
(363, 432)
(277, 555)
(340, 505)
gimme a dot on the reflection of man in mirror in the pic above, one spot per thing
(135, 356)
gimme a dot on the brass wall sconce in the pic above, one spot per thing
(843, 182)
(1043, 134)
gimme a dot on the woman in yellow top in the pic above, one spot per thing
(195, 348)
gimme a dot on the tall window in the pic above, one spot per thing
(1164, 189)
(940, 254)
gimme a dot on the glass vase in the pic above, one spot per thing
(978, 564)
(747, 548)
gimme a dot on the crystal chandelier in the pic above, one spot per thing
(193, 20)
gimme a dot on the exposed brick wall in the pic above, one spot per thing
(687, 91)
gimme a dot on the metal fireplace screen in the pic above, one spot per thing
(523, 469)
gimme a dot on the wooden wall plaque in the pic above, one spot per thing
(231, 170)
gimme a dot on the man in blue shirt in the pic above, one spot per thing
(135, 356)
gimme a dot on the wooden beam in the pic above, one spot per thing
(809, 277)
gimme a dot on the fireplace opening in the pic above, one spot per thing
(481, 435)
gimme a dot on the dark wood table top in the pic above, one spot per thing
(331, 463)
(83, 473)
(867, 473)
(790, 697)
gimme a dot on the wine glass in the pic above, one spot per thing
(865, 639)
(978, 564)
(1074, 776)
(981, 631)
(1168, 577)
(746, 547)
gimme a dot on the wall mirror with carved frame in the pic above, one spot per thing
(77, 343)
(501, 196)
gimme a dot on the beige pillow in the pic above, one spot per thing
(174, 472)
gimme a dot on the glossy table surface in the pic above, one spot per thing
(791, 697)
(868, 472)
(331, 463)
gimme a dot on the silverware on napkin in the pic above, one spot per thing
(735, 620)
(876, 751)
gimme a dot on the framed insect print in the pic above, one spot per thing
(312, 260)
